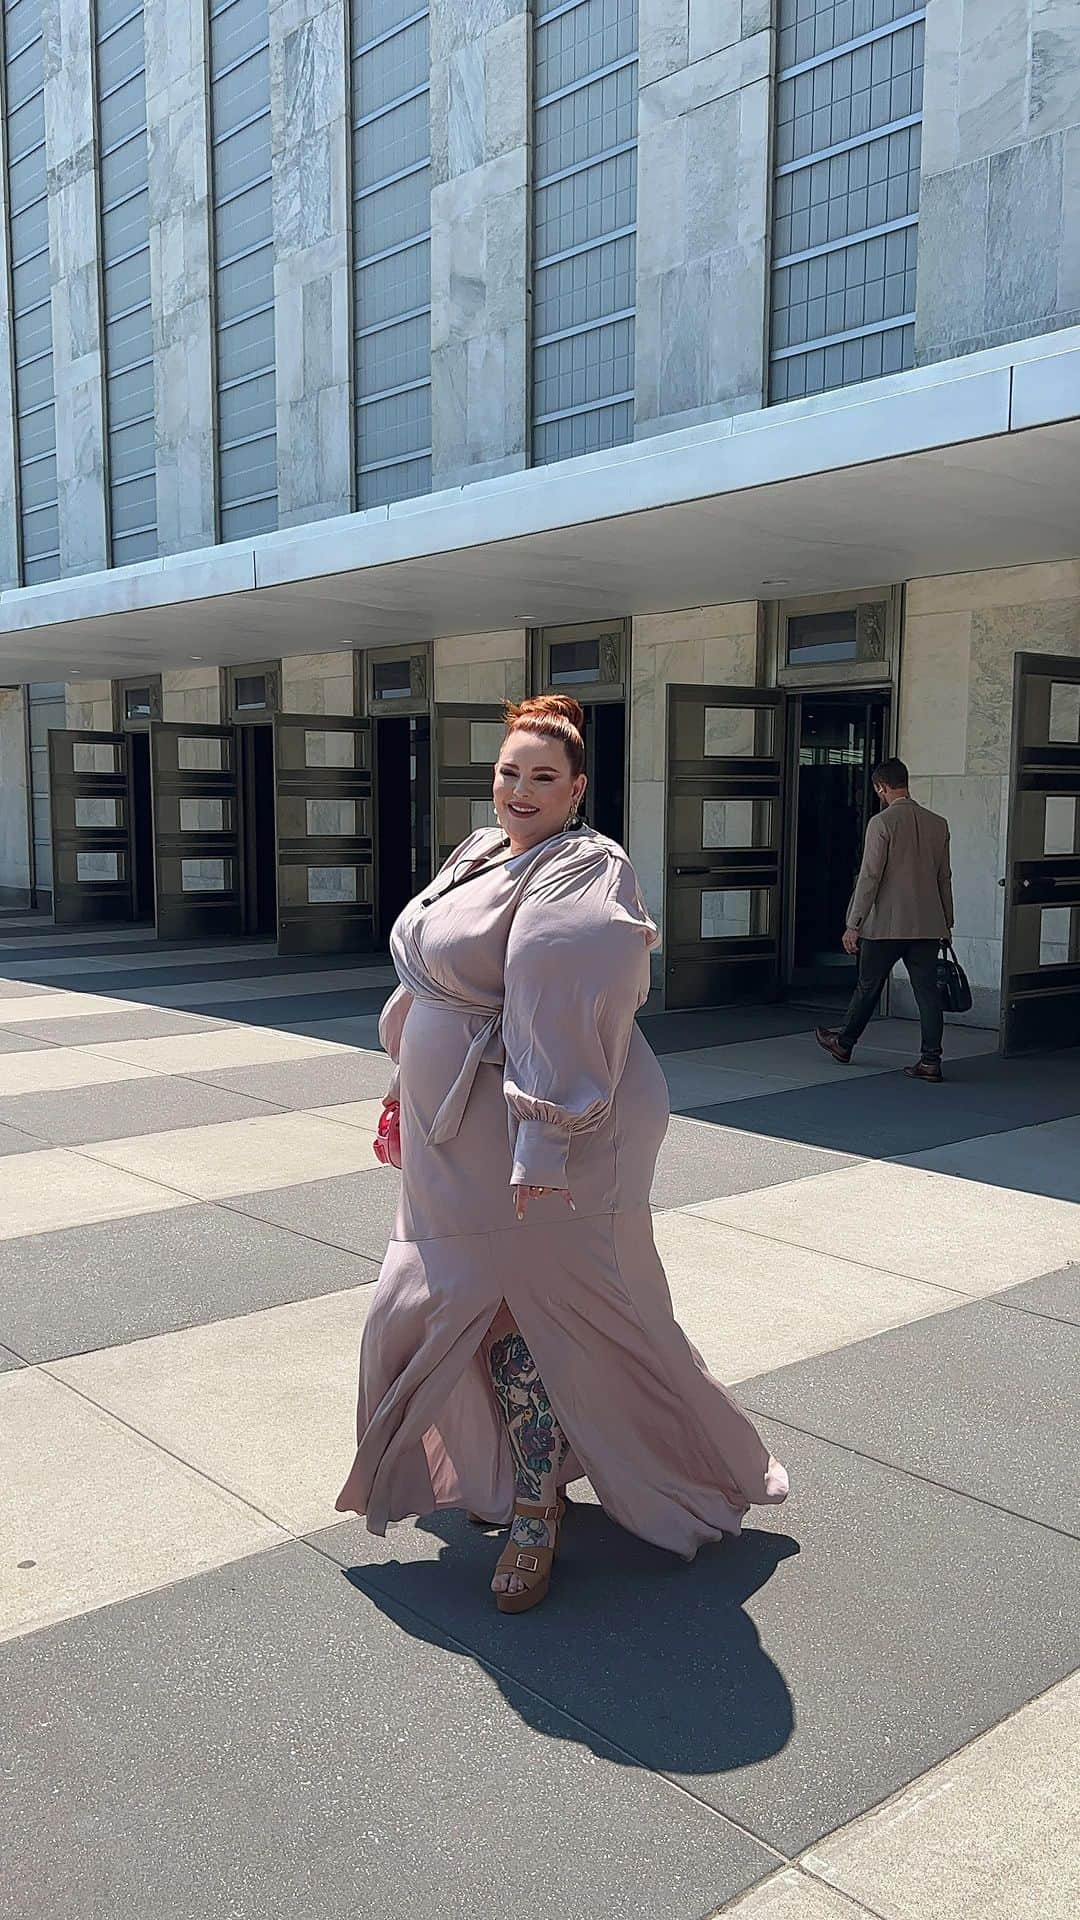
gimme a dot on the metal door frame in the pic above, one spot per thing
(1034, 880)
(210, 915)
(89, 902)
(330, 926)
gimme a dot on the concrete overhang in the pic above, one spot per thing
(968, 464)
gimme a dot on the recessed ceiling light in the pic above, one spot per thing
(776, 583)
(196, 656)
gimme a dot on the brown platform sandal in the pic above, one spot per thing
(532, 1564)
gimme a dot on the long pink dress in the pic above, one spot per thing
(519, 1060)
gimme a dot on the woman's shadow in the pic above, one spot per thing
(644, 1659)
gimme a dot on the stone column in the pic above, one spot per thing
(309, 96)
(180, 267)
(9, 518)
(480, 65)
(78, 367)
(999, 212)
(705, 80)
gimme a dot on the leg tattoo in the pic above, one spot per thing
(536, 1439)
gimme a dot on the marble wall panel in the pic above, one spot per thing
(89, 703)
(14, 825)
(77, 345)
(932, 731)
(309, 83)
(996, 587)
(318, 682)
(479, 248)
(972, 804)
(193, 694)
(999, 240)
(703, 190)
(483, 668)
(178, 181)
(997, 635)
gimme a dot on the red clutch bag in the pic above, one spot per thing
(387, 1141)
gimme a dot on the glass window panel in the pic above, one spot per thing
(485, 741)
(1060, 823)
(95, 756)
(249, 691)
(1064, 713)
(137, 703)
(1055, 926)
(329, 748)
(205, 876)
(97, 866)
(200, 753)
(331, 885)
(571, 660)
(736, 823)
(204, 814)
(391, 679)
(821, 637)
(734, 913)
(334, 817)
(739, 732)
(101, 811)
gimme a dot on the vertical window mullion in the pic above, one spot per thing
(31, 322)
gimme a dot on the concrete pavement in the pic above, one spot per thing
(221, 1700)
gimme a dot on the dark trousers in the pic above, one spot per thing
(877, 958)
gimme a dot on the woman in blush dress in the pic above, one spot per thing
(522, 1332)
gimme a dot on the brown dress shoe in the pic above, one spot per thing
(924, 1070)
(829, 1038)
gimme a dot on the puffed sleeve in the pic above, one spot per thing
(577, 970)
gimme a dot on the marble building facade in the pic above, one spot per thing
(662, 129)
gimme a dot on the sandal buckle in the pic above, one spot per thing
(527, 1563)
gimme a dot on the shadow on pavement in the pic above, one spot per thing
(646, 1655)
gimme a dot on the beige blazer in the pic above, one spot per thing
(904, 888)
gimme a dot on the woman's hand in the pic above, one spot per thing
(522, 1196)
(390, 1100)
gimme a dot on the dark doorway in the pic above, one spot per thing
(403, 787)
(142, 825)
(259, 829)
(605, 749)
(837, 740)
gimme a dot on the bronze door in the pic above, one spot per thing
(91, 827)
(467, 742)
(198, 882)
(325, 833)
(722, 893)
(1041, 962)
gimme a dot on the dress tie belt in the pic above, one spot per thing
(486, 1044)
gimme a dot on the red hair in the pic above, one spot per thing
(557, 716)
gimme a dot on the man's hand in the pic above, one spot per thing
(851, 941)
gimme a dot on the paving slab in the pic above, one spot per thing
(298, 1754)
(263, 1404)
(12, 1141)
(93, 1513)
(962, 1234)
(988, 1835)
(358, 1030)
(117, 1281)
(354, 1211)
(53, 1188)
(1055, 1294)
(702, 1159)
(56, 1069)
(792, 1679)
(240, 1156)
(1041, 1159)
(143, 1105)
(793, 1895)
(361, 990)
(322, 1080)
(363, 1114)
(969, 1365)
(12, 988)
(171, 969)
(9, 1360)
(296, 1009)
(745, 1301)
(879, 1114)
(137, 1023)
(219, 1046)
(18, 1042)
(691, 1085)
(794, 1060)
(719, 1026)
(62, 1005)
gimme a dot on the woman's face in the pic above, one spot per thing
(533, 789)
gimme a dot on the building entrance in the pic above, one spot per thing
(403, 814)
(836, 740)
(258, 830)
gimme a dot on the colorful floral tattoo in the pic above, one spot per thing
(536, 1438)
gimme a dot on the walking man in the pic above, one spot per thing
(901, 909)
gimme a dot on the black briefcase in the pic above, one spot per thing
(953, 984)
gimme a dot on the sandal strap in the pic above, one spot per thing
(532, 1560)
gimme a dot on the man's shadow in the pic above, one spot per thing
(653, 1662)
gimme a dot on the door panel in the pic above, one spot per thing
(1041, 965)
(467, 743)
(724, 829)
(196, 831)
(91, 827)
(325, 829)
